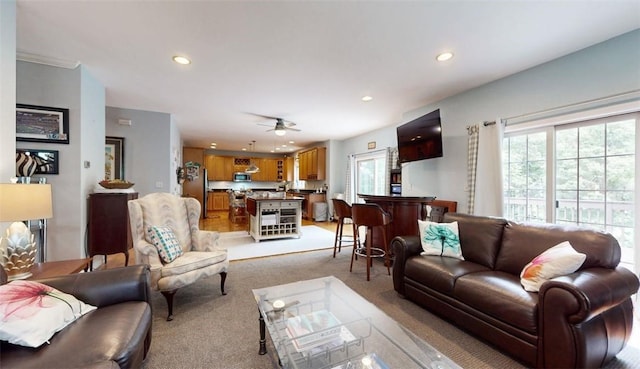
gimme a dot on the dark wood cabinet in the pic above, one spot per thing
(109, 231)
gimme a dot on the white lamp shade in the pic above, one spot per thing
(20, 202)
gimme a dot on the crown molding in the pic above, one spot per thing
(47, 60)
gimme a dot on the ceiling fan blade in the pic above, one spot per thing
(264, 116)
(291, 129)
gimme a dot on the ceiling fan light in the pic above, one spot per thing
(280, 132)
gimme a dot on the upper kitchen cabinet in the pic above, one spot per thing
(219, 168)
(312, 164)
(268, 169)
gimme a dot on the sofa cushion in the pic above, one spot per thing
(439, 273)
(480, 237)
(31, 312)
(440, 239)
(559, 260)
(193, 260)
(523, 242)
(508, 301)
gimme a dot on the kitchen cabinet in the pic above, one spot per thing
(312, 164)
(219, 200)
(219, 168)
(310, 198)
(268, 170)
(288, 168)
(108, 229)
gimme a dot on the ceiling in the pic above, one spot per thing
(307, 62)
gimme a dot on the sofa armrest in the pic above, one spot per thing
(403, 247)
(594, 290)
(585, 317)
(106, 287)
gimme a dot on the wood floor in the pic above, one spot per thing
(215, 221)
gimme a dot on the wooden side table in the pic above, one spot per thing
(57, 268)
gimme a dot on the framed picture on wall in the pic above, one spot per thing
(46, 160)
(114, 158)
(42, 124)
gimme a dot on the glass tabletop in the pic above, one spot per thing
(322, 323)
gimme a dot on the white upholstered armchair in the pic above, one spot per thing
(195, 252)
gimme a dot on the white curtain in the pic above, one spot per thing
(485, 187)
(488, 192)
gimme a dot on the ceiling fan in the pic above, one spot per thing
(281, 127)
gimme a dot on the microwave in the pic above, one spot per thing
(241, 177)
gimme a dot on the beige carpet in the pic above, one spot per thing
(240, 245)
(214, 331)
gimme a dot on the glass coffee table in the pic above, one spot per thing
(323, 324)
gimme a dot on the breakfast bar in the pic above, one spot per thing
(274, 216)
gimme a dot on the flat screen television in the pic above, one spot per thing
(420, 138)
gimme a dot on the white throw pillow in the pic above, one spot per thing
(31, 312)
(440, 239)
(165, 241)
(559, 260)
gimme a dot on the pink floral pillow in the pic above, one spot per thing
(31, 312)
(559, 260)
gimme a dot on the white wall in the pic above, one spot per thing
(601, 70)
(148, 148)
(7, 90)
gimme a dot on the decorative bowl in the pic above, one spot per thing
(115, 185)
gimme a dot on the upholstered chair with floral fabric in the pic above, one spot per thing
(166, 236)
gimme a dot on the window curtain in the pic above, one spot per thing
(472, 165)
(348, 187)
(485, 169)
(392, 163)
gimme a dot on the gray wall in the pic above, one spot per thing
(148, 148)
(84, 96)
(599, 71)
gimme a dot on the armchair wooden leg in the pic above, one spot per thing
(168, 295)
(223, 278)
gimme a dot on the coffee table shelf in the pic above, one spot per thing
(368, 337)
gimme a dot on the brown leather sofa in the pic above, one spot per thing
(575, 321)
(115, 335)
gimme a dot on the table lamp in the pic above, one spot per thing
(19, 203)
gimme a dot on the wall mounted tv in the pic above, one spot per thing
(420, 138)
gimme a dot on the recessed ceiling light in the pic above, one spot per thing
(181, 60)
(444, 56)
(292, 142)
(367, 98)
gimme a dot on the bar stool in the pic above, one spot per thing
(370, 216)
(343, 211)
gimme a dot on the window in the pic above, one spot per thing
(581, 173)
(371, 173)
(524, 170)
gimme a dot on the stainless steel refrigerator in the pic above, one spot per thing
(196, 187)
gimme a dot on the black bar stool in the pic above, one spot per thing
(370, 216)
(343, 211)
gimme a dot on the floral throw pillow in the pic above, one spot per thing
(31, 312)
(559, 260)
(166, 242)
(440, 239)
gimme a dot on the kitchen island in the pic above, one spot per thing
(274, 216)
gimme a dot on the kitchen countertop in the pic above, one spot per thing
(287, 198)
